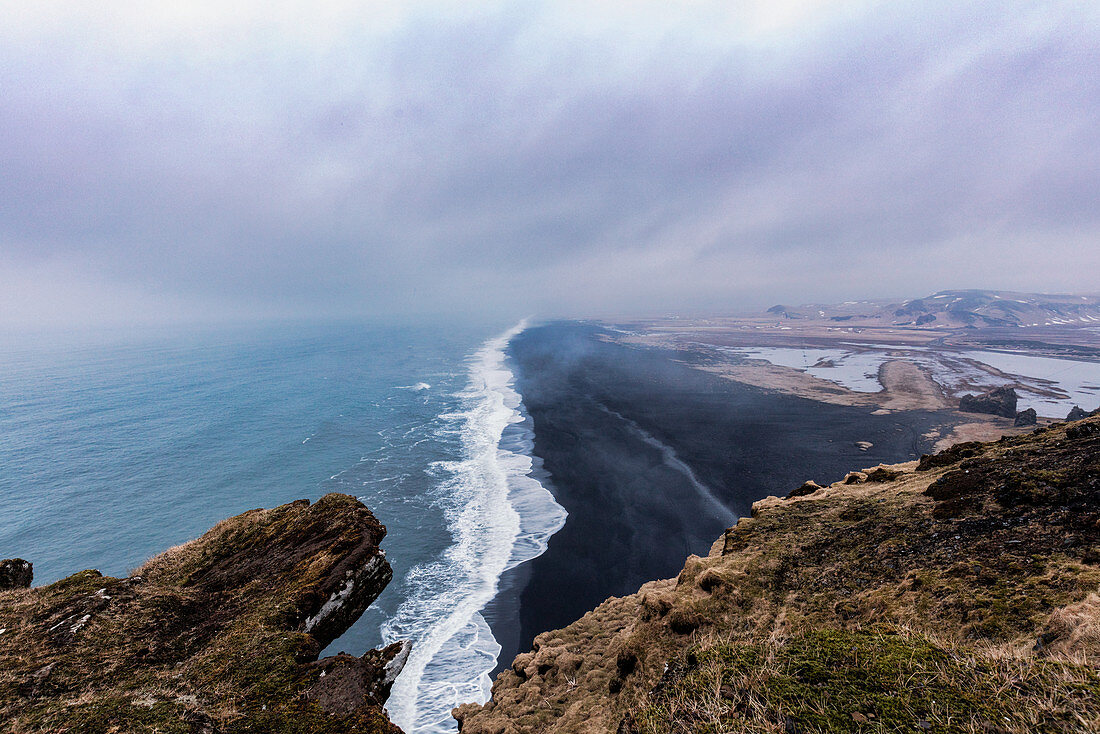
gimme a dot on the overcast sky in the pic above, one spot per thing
(247, 159)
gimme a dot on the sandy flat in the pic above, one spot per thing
(906, 386)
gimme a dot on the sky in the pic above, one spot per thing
(165, 162)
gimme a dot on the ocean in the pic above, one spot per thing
(115, 447)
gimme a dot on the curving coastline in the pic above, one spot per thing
(499, 515)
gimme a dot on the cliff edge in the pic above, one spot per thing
(220, 634)
(954, 594)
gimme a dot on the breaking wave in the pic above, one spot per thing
(499, 516)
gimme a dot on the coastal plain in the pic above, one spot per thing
(920, 354)
(653, 457)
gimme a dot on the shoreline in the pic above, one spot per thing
(616, 426)
(653, 444)
(499, 516)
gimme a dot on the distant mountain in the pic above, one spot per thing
(959, 308)
(997, 308)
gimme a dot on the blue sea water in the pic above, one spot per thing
(114, 448)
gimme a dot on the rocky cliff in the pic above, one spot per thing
(954, 594)
(221, 634)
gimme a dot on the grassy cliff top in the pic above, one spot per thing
(957, 594)
(217, 635)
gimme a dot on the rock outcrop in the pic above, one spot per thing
(960, 593)
(15, 573)
(1076, 413)
(345, 682)
(1026, 418)
(220, 634)
(998, 401)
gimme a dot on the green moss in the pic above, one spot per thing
(115, 713)
(844, 681)
(84, 581)
(308, 718)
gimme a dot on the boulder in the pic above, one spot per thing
(15, 573)
(998, 401)
(1026, 417)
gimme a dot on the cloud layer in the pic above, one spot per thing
(517, 157)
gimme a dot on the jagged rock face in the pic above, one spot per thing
(15, 573)
(346, 681)
(969, 572)
(1026, 418)
(1076, 413)
(216, 635)
(998, 401)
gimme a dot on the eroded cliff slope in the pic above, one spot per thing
(220, 634)
(957, 594)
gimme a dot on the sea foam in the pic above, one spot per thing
(499, 516)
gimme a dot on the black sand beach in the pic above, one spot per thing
(634, 442)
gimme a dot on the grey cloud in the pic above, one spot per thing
(508, 159)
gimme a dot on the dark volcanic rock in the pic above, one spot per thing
(15, 573)
(218, 634)
(998, 401)
(346, 681)
(950, 455)
(1083, 430)
(1076, 413)
(1026, 417)
(882, 474)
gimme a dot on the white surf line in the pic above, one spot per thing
(671, 459)
(453, 648)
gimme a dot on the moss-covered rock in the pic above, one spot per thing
(216, 635)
